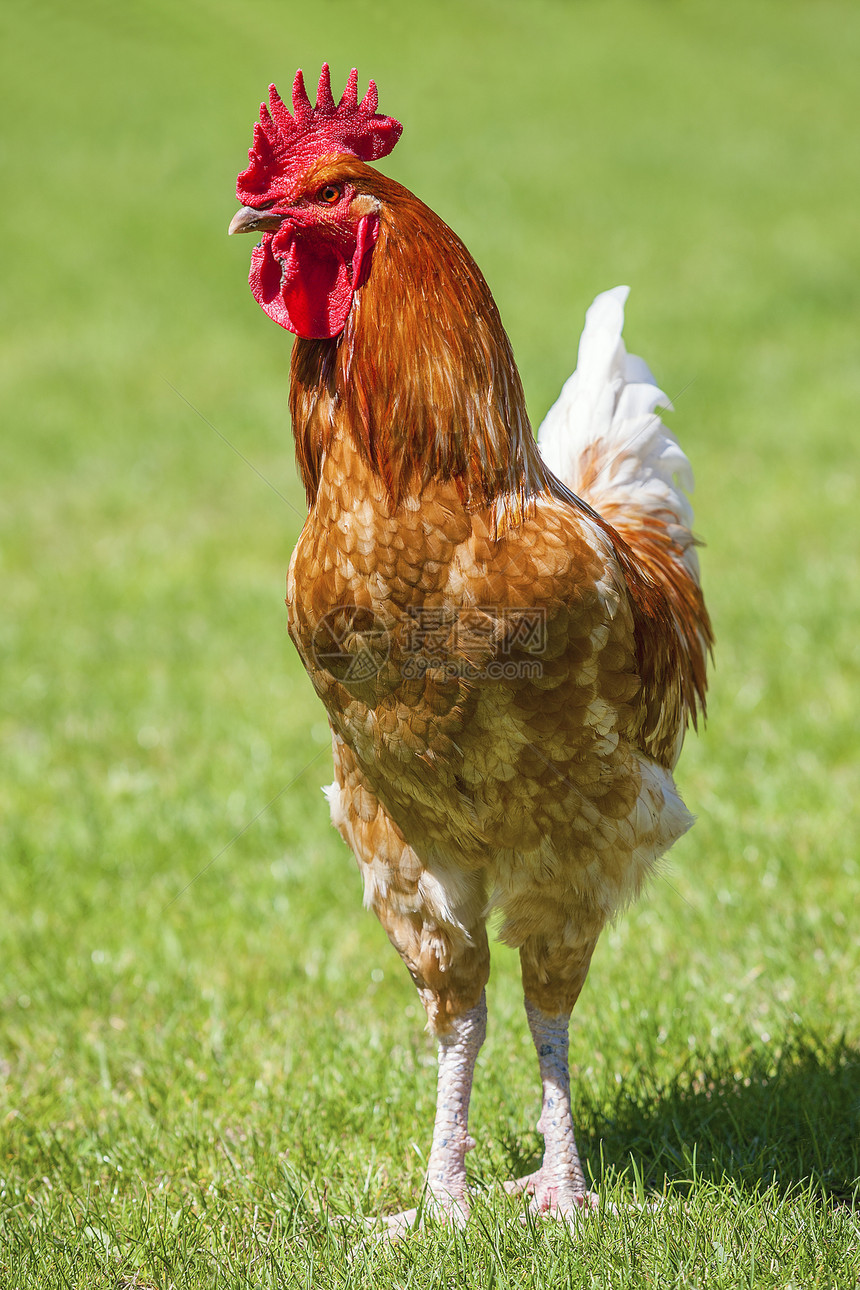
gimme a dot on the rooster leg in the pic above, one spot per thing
(554, 973)
(458, 1051)
(447, 1197)
(558, 1188)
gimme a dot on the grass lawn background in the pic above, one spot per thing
(208, 1050)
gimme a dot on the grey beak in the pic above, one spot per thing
(250, 220)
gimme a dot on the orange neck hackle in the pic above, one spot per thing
(422, 379)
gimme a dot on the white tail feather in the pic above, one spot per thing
(604, 439)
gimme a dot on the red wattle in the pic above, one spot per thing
(304, 282)
(265, 282)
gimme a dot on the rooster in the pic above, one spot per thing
(509, 637)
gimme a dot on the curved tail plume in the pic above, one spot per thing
(605, 440)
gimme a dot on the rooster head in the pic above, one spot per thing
(300, 191)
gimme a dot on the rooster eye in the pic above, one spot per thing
(329, 194)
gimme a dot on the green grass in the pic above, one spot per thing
(211, 1063)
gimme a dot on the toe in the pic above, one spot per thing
(453, 1210)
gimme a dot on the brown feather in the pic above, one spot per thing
(504, 774)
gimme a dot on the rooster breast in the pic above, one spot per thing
(482, 695)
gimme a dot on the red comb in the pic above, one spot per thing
(285, 144)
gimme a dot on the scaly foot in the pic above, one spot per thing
(550, 1198)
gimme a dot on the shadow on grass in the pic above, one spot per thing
(786, 1118)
